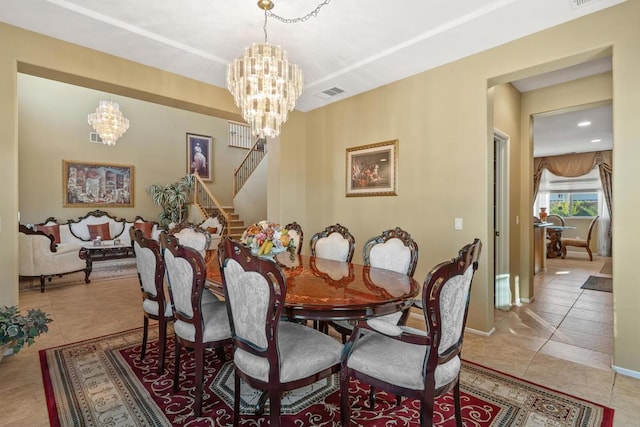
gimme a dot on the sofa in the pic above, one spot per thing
(40, 256)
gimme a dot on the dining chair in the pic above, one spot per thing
(155, 305)
(334, 242)
(394, 250)
(269, 355)
(410, 362)
(199, 323)
(294, 230)
(580, 243)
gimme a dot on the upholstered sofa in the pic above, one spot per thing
(40, 256)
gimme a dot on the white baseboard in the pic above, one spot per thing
(527, 300)
(483, 333)
(626, 372)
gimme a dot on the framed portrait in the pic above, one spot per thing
(96, 184)
(372, 169)
(200, 156)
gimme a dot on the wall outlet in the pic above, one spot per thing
(458, 223)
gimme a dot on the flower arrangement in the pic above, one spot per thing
(17, 330)
(266, 238)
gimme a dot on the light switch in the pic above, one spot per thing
(458, 224)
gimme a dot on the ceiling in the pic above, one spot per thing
(353, 45)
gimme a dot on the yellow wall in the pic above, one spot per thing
(52, 126)
(442, 120)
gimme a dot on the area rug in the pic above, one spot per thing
(102, 270)
(102, 382)
(598, 283)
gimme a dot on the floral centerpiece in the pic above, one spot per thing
(266, 239)
(17, 330)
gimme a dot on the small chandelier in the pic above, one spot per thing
(108, 122)
(264, 84)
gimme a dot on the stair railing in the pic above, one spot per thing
(249, 164)
(206, 201)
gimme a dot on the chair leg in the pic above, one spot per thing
(345, 408)
(42, 284)
(236, 399)
(176, 370)
(456, 403)
(590, 254)
(372, 397)
(564, 251)
(145, 330)
(274, 408)
(163, 343)
(197, 410)
(426, 412)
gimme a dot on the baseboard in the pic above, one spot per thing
(483, 333)
(626, 372)
(527, 300)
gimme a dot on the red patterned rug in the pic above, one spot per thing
(102, 382)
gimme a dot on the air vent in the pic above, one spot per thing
(94, 137)
(580, 3)
(326, 94)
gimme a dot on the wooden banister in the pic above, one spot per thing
(248, 164)
(207, 202)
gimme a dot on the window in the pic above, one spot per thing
(569, 204)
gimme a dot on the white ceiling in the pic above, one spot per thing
(355, 45)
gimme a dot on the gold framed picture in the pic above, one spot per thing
(372, 169)
(88, 184)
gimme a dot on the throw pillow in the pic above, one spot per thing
(101, 230)
(145, 227)
(52, 230)
(212, 230)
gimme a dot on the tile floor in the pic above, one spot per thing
(563, 340)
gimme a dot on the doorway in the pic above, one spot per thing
(502, 288)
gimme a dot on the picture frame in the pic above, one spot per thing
(371, 170)
(88, 184)
(200, 156)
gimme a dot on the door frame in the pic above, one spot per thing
(503, 296)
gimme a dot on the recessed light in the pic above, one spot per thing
(596, 140)
(585, 123)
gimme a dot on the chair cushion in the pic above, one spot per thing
(151, 307)
(52, 230)
(216, 324)
(397, 362)
(101, 230)
(145, 227)
(575, 242)
(303, 352)
(391, 255)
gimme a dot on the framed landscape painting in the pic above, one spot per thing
(96, 184)
(200, 156)
(372, 169)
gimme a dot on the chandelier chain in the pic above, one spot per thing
(306, 17)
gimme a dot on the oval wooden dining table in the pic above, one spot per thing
(323, 289)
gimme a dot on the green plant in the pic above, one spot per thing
(173, 199)
(18, 330)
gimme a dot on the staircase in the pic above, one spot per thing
(235, 226)
(209, 206)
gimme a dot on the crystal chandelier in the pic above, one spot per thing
(108, 122)
(264, 84)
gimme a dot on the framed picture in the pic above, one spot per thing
(96, 184)
(200, 156)
(372, 169)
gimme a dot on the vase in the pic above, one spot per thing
(6, 350)
(543, 214)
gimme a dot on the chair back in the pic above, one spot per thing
(150, 266)
(295, 232)
(186, 276)
(593, 223)
(445, 298)
(555, 219)
(254, 291)
(192, 236)
(392, 250)
(334, 242)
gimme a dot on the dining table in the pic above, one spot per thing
(554, 233)
(327, 290)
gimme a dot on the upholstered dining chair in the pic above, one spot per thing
(393, 250)
(411, 362)
(199, 323)
(555, 219)
(268, 354)
(334, 242)
(294, 230)
(155, 305)
(580, 243)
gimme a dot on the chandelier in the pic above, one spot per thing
(108, 122)
(264, 84)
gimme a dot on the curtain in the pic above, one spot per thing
(572, 165)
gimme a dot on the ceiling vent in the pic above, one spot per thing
(326, 94)
(94, 137)
(580, 3)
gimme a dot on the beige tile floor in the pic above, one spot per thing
(563, 340)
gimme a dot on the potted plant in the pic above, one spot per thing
(173, 199)
(16, 330)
